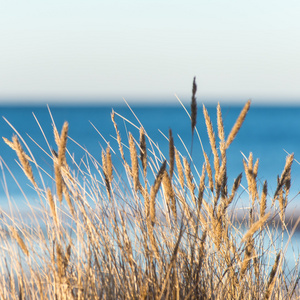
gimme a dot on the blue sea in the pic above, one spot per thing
(268, 132)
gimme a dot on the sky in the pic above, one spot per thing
(70, 50)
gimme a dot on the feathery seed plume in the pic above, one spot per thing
(134, 162)
(212, 140)
(19, 240)
(23, 160)
(237, 124)
(171, 153)
(179, 168)
(143, 150)
(194, 106)
(263, 200)
(154, 190)
(52, 205)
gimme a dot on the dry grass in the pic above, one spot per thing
(106, 233)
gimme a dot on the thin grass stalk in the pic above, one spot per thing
(179, 168)
(220, 124)
(23, 160)
(285, 174)
(13, 147)
(257, 225)
(109, 165)
(212, 140)
(189, 179)
(118, 136)
(59, 182)
(134, 163)
(143, 150)
(209, 173)
(238, 124)
(154, 191)
(247, 256)
(271, 282)
(63, 144)
(52, 206)
(263, 200)
(19, 240)
(194, 106)
(171, 153)
(169, 194)
(106, 165)
(201, 188)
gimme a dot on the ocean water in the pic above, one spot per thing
(268, 132)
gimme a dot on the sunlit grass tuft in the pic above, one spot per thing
(150, 227)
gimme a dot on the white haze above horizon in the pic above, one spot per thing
(141, 50)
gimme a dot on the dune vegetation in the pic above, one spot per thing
(151, 226)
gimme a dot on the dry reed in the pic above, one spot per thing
(257, 225)
(19, 240)
(194, 106)
(238, 124)
(52, 206)
(134, 162)
(143, 150)
(212, 140)
(154, 190)
(153, 244)
(271, 281)
(23, 158)
(179, 168)
(171, 153)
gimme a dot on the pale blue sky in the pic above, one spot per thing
(150, 49)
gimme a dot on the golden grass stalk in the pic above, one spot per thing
(146, 202)
(201, 188)
(109, 165)
(194, 106)
(63, 144)
(221, 180)
(235, 186)
(271, 282)
(179, 168)
(23, 160)
(12, 146)
(247, 256)
(220, 124)
(19, 240)
(285, 175)
(104, 168)
(68, 200)
(134, 162)
(209, 172)
(52, 206)
(143, 150)
(217, 230)
(255, 168)
(189, 178)
(118, 135)
(154, 190)
(56, 136)
(169, 193)
(251, 174)
(263, 200)
(107, 169)
(212, 140)
(171, 153)
(257, 225)
(59, 182)
(152, 239)
(236, 127)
